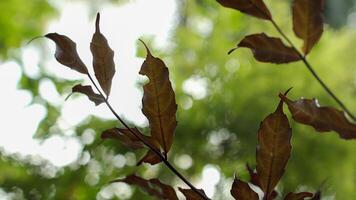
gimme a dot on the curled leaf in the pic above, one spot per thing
(273, 150)
(153, 187)
(88, 91)
(308, 21)
(150, 157)
(158, 102)
(124, 136)
(317, 196)
(240, 190)
(66, 52)
(269, 49)
(192, 195)
(322, 119)
(298, 196)
(103, 58)
(256, 8)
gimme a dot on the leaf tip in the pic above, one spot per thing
(97, 23)
(231, 50)
(144, 44)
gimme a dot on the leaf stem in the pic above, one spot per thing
(313, 72)
(155, 150)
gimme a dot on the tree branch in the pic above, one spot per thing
(155, 150)
(313, 72)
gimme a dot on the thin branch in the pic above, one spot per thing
(155, 150)
(313, 72)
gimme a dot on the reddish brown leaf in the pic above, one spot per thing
(66, 52)
(256, 8)
(322, 119)
(159, 105)
(88, 91)
(125, 137)
(241, 191)
(317, 196)
(269, 49)
(308, 21)
(298, 196)
(273, 150)
(192, 195)
(150, 157)
(103, 58)
(153, 187)
(253, 176)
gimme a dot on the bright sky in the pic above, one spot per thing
(122, 25)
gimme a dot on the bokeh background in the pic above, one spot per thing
(50, 147)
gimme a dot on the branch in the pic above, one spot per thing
(312, 71)
(155, 150)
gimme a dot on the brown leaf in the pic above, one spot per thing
(103, 59)
(253, 176)
(153, 187)
(317, 196)
(308, 21)
(273, 150)
(158, 102)
(66, 52)
(88, 91)
(322, 119)
(256, 8)
(269, 49)
(298, 196)
(241, 191)
(192, 195)
(125, 137)
(150, 157)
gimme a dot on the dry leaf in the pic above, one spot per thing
(256, 8)
(158, 102)
(298, 196)
(153, 187)
(323, 119)
(273, 150)
(103, 59)
(150, 157)
(66, 52)
(308, 21)
(269, 49)
(241, 191)
(88, 91)
(192, 195)
(125, 137)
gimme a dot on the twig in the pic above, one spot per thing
(312, 71)
(154, 149)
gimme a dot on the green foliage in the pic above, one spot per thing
(20, 21)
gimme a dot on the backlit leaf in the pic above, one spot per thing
(273, 150)
(317, 196)
(298, 196)
(308, 21)
(124, 136)
(103, 58)
(153, 187)
(88, 91)
(66, 52)
(192, 195)
(269, 49)
(256, 8)
(150, 157)
(256, 181)
(322, 119)
(241, 191)
(158, 102)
